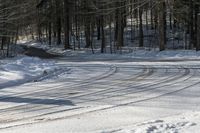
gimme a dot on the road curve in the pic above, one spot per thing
(99, 88)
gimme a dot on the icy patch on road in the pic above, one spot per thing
(24, 69)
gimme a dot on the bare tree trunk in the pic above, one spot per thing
(141, 34)
(165, 22)
(161, 26)
(66, 25)
(50, 33)
(98, 28)
(58, 22)
(198, 33)
(87, 33)
(191, 19)
(120, 33)
(103, 35)
(196, 24)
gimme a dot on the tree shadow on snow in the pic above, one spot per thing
(36, 101)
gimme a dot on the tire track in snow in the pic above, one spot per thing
(35, 107)
(138, 100)
(97, 110)
(104, 75)
(21, 107)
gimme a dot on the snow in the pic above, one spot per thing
(170, 54)
(183, 123)
(23, 69)
(126, 52)
(143, 91)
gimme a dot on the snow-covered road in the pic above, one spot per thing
(111, 96)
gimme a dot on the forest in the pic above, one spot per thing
(99, 66)
(112, 24)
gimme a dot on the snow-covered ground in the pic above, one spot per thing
(127, 52)
(132, 93)
(180, 123)
(24, 69)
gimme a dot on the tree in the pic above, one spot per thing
(66, 24)
(161, 10)
(198, 33)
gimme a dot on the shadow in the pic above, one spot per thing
(37, 52)
(36, 101)
(14, 83)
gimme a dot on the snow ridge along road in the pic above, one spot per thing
(100, 96)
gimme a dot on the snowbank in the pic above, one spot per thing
(23, 69)
(126, 52)
(183, 123)
(189, 54)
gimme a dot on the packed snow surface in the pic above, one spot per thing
(103, 94)
(23, 69)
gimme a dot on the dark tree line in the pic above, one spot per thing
(102, 24)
